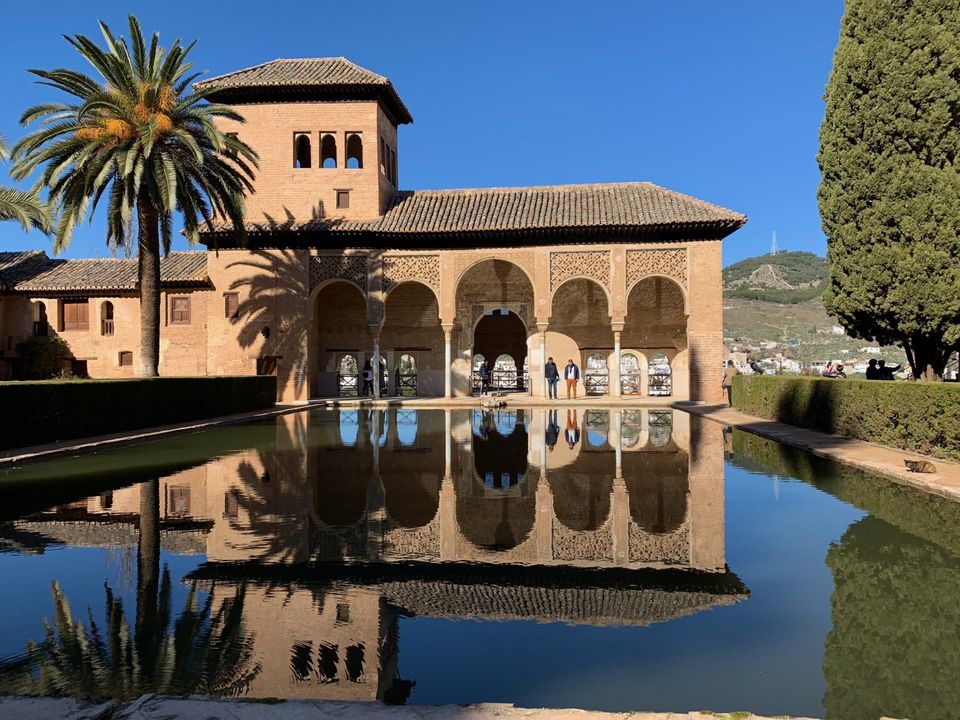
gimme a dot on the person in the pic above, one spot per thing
(872, 372)
(383, 377)
(367, 376)
(484, 373)
(553, 431)
(729, 373)
(828, 371)
(838, 371)
(572, 433)
(885, 371)
(552, 375)
(571, 373)
(756, 367)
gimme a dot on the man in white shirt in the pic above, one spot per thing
(571, 373)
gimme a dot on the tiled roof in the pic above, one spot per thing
(326, 73)
(32, 272)
(628, 208)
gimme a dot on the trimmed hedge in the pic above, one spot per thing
(919, 417)
(33, 413)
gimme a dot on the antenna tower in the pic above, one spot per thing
(773, 244)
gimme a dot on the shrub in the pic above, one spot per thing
(55, 410)
(42, 357)
(919, 417)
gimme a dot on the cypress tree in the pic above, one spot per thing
(890, 190)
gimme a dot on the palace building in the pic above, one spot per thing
(341, 268)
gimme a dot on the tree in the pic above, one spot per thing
(147, 142)
(890, 190)
(24, 207)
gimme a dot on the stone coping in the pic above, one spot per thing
(153, 707)
(877, 459)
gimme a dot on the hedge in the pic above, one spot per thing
(914, 416)
(32, 413)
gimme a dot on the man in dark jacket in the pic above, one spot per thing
(552, 375)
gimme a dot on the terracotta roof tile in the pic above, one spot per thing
(325, 73)
(38, 273)
(628, 207)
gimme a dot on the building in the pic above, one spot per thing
(341, 266)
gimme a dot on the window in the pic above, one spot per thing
(178, 501)
(231, 503)
(354, 151)
(75, 315)
(393, 167)
(389, 166)
(126, 358)
(328, 150)
(231, 305)
(343, 199)
(106, 318)
(383, 157)
(301, 150)
(40, 326)
(180, 311)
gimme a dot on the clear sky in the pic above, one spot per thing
(721, 100)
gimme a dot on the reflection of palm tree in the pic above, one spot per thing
(205, 653)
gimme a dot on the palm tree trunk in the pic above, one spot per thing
(148, 277)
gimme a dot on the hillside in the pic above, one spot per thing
(773, 306)
(786, 278)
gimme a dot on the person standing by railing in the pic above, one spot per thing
(571, 374)
(553, 378)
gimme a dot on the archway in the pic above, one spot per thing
(501, 334)
(41, 327)
(106, 318)
(596, 375)
(580, 330)
(411, 329)
(656, 324)
(631, 374)
(341, 329)
(494, 314)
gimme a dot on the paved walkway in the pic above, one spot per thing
(877, 459)
(151, 707)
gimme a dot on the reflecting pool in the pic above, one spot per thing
(617, 560)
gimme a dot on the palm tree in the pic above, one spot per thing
(26, 208)
(144, 139)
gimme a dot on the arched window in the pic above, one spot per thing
(106, 318)
(328, 150)
(406, 380)
(40, 325)
(629, 374)
(659, 376)
(301, 150)
(348, 375)
(505, 373)
(596, 376)
(354, 151)
(478, 360)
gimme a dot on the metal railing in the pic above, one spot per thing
(348, 385)
(596, 383)
(407, 385)
(107, 328)
(661, 385)
(631, 383)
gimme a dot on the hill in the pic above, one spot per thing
(784, 278)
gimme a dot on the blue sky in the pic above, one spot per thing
(722, 100)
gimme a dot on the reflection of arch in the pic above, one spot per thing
(328, 151)
(354, 151)
(496, 507)
(339, 473)
(658, 487)
(581, 490)
(106, 318)
(302, 153)
(412, 466)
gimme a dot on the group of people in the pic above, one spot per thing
(879, 370)
(571, 373)
(834, 371)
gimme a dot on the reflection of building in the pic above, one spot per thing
(449, 514)
(341, 266)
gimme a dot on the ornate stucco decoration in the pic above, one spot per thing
(352, 268)
(400, 268)
(566, 265)
(669, 262)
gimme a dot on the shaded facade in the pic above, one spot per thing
(341, 267)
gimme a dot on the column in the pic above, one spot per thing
(615, 370)
(375, 361)
(447, 361)
(542, 329)
(620, 502)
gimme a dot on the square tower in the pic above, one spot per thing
(326, 133)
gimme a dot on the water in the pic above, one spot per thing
(619, 560)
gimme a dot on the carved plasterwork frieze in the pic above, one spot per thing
(400, 268)
(669, 262)
(566, 265)
(352, 268)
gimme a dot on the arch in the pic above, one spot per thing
(328, 150)
(413, 281)
(354, 151)
(596, 374)
(302, 151)
(658, 276)
(411, 324)
(106, 318)
(502, 335)
(406, 376)
(348, 376)
(493, 259)
(581, 279)
(631, 369)
(659, 375)
(339, 325)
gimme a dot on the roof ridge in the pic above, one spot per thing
(385, 80)
(236, 72)
(566, 186)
